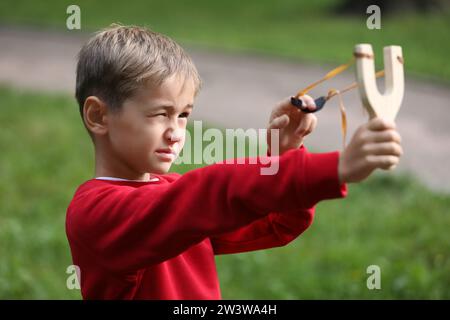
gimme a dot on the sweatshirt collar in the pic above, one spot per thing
(121, 179)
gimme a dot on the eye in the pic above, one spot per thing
(184, 115)
(162, 114)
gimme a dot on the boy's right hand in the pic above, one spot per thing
(375, 144)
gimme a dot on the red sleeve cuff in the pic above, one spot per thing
(321, 180)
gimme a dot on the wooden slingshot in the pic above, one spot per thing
(384, 105)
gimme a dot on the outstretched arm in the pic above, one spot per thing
(153, 223)
(274, 230)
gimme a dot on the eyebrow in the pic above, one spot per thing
(171, 107)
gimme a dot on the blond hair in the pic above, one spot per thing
(118, 60)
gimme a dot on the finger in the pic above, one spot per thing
(378, 124)
(312, 127)
(392, 167)
(306, 125)
(282, 107)
(383, 162)
(285, 104)
(383, 136)
(279, 122)
(308, 102)
(383, 148)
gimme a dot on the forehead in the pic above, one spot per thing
(175, 89)
(175, 86)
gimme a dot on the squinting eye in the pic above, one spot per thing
(184, 115)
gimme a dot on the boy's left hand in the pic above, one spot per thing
(293, 124)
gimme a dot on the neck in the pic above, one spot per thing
(109, 165)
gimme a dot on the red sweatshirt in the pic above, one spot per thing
(157, 240)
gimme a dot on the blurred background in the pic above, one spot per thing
(250, 55)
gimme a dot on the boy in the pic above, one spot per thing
(137, 232)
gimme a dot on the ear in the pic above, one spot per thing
(95, 114)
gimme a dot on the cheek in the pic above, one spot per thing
(181, 143)
(152, 135)
(134, 136)
(121, 134)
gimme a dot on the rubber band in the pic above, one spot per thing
(343, 120)
(329, 75)
(333, 92)
(355, 84)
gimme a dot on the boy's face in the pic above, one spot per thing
(149, 132)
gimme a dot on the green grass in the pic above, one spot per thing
(393, 222)
(390, 222)
(306, 30)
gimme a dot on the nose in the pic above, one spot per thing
(175, 136)
(174, 133)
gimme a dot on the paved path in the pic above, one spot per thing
(240, 90)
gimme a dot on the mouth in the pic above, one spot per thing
(166, 154)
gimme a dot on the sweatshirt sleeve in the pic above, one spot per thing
(274, 230)
(126, 228)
